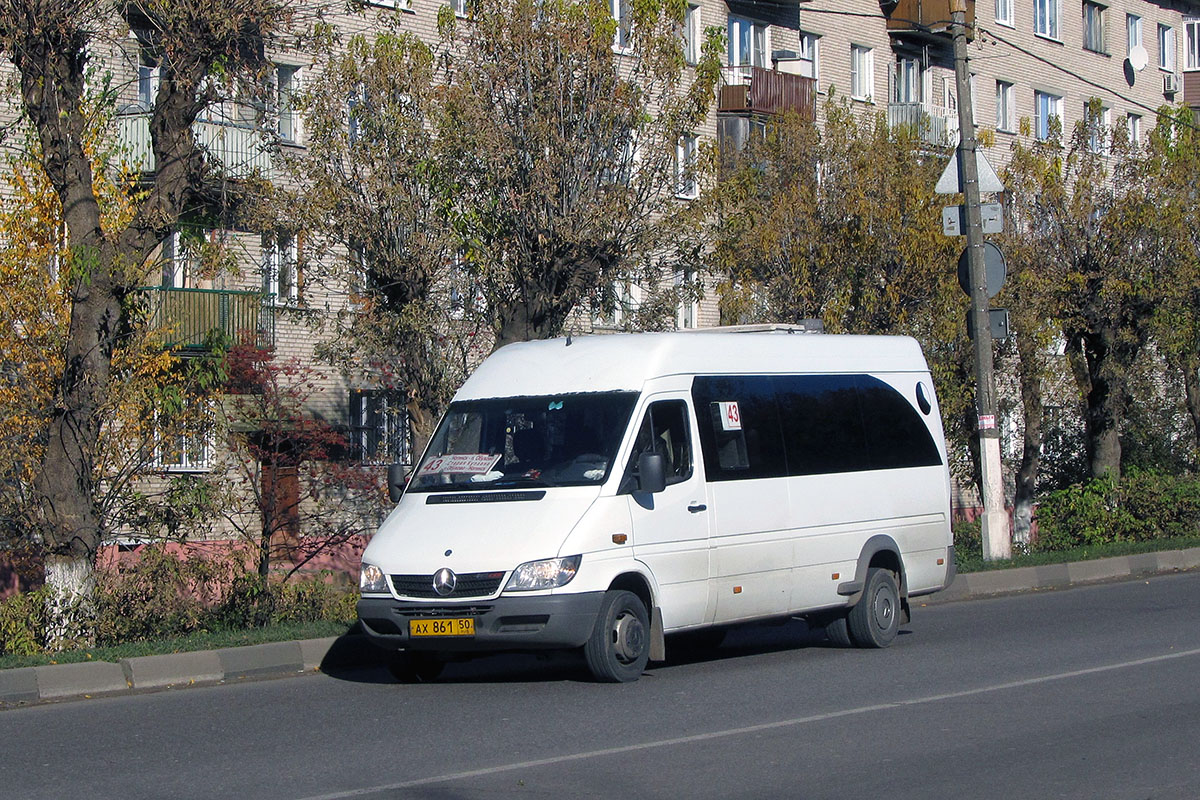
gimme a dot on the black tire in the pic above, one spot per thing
(619, 646)
(415, 667)
(838, 631)
(875, 618)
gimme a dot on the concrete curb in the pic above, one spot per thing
(95, 678)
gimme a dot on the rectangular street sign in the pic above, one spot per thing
(954, 219)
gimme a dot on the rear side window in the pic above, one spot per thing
(820, 424)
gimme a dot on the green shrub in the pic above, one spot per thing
(23, 623)
(1140, 507)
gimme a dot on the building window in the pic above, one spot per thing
(1166, 48)
(908, 81)
(1133, 32)
(287, 85)
(622, 11)
(379, 427)
(1004, 12)
(1191, 44)
(1047, 107)
(1004, 106)
(403, 5)
(748, 44)
(862, 72)
(148, 77)
(1045, 18)
(686, 151)
(1133, 123)
(281, 274)
(1098, 125)
(692, 34)
(1093, 26)
(806, 56)
(183, 442)
(461, 8)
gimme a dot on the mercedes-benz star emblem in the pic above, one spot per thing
(444, 581)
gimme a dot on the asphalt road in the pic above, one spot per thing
(1088, 693)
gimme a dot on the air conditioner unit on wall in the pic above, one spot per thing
(1171, 83)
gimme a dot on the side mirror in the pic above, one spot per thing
(652, 473)
(397, 479)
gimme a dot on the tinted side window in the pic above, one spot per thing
(739, 427)
(665, 431)
(896, 434)
(822, 424)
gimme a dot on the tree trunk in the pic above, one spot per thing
(421, 422)
(72, 582)
(1191, 388)
(1104, 397)
(1034, 413)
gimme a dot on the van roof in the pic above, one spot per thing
(625, 361)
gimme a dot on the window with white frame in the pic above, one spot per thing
(689, 310)
(1045, 18)
(1004, 106)
(806, 56)
(287, 85)
(461, 8)
(356, 108)
(1166, 48)
(748, 44)
(1133, 32)
(1093, 26)
(692, 34)
(402, 5)
(862, 72)
(148, 78)
(379, 429)
(281, 278)
(908, 81)
(184, 442)
(1098, 124)
(1047, 107)
(687, 151)
(622, 12)
(1004, 12)
(1191, 44)
(1133, 124)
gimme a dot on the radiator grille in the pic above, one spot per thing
(474, 584)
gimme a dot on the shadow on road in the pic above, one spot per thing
(354, 659)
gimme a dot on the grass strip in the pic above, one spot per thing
(201, 640)
(973, 561)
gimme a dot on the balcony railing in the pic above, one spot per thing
(184, 319)
(926, 16)
(758, 90)
(240, 150)
(934, 125)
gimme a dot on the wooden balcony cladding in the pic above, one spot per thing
(757, 90)
(185, 319)
(924, 16)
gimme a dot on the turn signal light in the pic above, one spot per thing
(737, 590)
(620, 538)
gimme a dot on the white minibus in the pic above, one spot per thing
(604, 492)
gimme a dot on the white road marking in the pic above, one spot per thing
(749, 729)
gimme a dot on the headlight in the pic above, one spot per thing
(548, 574)
(371, 580)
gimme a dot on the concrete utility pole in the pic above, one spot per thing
(997, 539)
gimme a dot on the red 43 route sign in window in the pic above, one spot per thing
(731, 417)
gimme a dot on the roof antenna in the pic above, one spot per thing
(568, 338)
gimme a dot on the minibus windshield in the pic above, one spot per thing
(560, 440)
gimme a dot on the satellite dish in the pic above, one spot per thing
(1137, 57)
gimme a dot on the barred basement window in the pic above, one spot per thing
(379, 427)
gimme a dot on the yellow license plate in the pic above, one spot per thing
(461, 626)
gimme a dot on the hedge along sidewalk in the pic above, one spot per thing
(208, 667)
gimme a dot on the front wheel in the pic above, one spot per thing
(619, 646)
(875, 618)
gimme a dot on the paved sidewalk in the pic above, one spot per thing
(178, 670)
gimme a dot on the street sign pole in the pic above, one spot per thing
(997, 539)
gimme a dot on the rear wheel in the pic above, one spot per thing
(619, 646)
(875, 618)
(838, 632)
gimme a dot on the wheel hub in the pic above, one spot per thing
(884, 610)
(629, 638)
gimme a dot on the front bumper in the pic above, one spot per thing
(506, 623)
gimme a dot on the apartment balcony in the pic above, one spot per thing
(185, 319)
(239, 149)
(758, 90)
(937, 126)
(1191, 89)
(924, 16)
